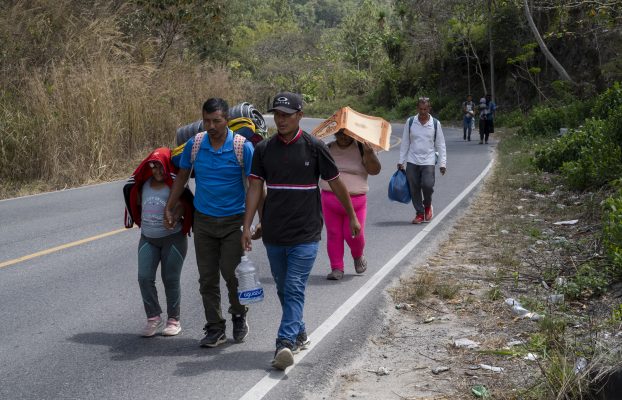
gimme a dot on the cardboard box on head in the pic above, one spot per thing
(364, 128)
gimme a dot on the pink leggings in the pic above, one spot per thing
(338, 227)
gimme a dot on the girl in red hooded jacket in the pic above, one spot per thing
(146, 197)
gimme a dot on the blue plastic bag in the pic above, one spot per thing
(398, 187)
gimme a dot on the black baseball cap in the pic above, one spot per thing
(287, 102)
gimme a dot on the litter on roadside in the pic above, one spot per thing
(466, 343)
(438, 370)
(518, 309)
(569, 222)
(404, 306)
(381, 371)
(580, 365)
(531, 357)
(556, 298)
(428, 320)
(491, 368)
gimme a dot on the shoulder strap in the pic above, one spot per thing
(238, 148)
(198, 139)
(361, 149)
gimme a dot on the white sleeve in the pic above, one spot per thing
(405, 145)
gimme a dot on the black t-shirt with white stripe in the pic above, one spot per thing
(292, 213)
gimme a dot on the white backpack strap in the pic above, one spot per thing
(238, 148)
(198, 139)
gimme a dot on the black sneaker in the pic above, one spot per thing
(302, 342)
(284, 354)
(240, 328)
(213, 337)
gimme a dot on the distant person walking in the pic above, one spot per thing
(290, 163)
(468, 110)
(483, 121)
(422, 138)
(355, 161)
(490, 116)
(152, 182)
(219, 202)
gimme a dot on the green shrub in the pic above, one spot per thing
(512, 119)
(542, 121)
(608, 101)
(567, 148)
(406, 107)
(597, 165)
(613, 125)
(612, 231)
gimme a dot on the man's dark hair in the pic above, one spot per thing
(216, 104)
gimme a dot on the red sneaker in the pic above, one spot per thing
(428, 214)
(418, 219)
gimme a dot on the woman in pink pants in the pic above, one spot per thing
(355, 161)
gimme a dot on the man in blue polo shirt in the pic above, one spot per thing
(290, 164)
(219, 211)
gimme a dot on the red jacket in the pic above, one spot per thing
(133, 189)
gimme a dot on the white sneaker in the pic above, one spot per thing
(173, 327)
(153, 324)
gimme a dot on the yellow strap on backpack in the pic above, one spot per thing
(238, 123)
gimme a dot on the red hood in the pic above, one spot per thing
(161, 155)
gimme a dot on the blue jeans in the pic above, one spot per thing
(466, 127)
(291, 266)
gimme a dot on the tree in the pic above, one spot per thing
(545, 50)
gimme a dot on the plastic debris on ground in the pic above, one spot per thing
(569, 222)
(438, 370)
(466, 343)
(518, 309)
(404, 306)
(491, 368)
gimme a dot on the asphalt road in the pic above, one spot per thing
(69, 318)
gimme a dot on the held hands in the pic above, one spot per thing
(169, 219)
(443, 170)
(401, 167)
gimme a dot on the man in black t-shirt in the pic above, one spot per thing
(290, 164)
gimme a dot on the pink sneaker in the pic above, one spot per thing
(173, 327)
(153, 324)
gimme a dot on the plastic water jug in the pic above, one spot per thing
(249, 287)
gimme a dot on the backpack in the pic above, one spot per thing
(238, 148)
(435, 121)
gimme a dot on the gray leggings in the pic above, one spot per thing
(421, 182)
(170, 251)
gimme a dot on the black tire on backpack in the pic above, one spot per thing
(247, 110)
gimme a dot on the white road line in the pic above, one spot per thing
(271, 379)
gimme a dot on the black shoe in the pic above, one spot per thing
(240, 327)
(302, 342)
(284, 354)
(213, 337)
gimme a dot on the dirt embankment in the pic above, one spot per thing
(449, 333)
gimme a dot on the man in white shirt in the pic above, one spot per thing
(422, 139)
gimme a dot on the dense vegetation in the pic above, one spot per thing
(86, 85)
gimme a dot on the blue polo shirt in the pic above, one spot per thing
(219, 181)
